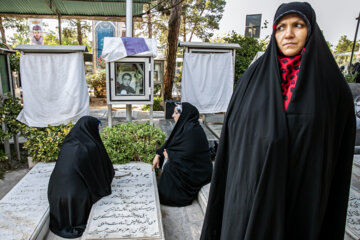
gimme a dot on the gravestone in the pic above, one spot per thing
(353, 215)
(132, 211)
(24, 211)
(215, 129)
(203, 197)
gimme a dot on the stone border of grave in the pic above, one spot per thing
(24, 211)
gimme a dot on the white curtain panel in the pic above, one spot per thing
(54, 89)
(207, 81)
(115, 49)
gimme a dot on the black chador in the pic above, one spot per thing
(282, 175)
(82, 175)
(189, 166)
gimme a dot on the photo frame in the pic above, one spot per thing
(130, 80)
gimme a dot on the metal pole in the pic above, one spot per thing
(94, 46)
(353, 48)
(59, 22)
(151, 114)
(129, 23)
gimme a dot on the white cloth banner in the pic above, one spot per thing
(207, 81)
(54, 89)
(116, 48)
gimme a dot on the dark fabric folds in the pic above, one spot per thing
(82, 175)
(284, 175)
(189, 166)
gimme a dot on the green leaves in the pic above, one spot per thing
(43, 144)
(249, 47)
(9, 110)
(132, 142)
(98, 82)
(156, 107)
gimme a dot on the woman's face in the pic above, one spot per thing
(176, 115)
(290, 34)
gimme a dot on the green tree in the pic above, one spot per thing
(171, 47)
(249, 47)
(345, 45)
(200, 18)
(74, 32)
(21, 28)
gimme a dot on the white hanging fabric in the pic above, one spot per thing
(207, 81)
(116, 48)
(54, 89)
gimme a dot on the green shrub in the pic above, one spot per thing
(9, 110)
(4, 163)
(244, 55)
(98, 82)
(43, 144)
(157, 89)
(156, 106)
(132, 142)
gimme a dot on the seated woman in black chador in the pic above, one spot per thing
(82, 175)
(283, 166)
(188, 166)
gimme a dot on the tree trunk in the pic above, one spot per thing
(149, 23)
(2, 30)
(171, 49)
(79, 34)
(184, 23)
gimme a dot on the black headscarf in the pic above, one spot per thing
(189, 166)
(285, 175)
(82, 175)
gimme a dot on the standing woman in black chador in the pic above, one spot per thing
(82, 175)
(284, 161)
(188, 166)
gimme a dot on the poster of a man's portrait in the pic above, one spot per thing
(129, 79)
(36, 31)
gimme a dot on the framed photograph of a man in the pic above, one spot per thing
(129, 79)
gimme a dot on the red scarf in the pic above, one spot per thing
(289, 69)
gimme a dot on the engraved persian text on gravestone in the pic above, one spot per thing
(26, 205)
(132, 211)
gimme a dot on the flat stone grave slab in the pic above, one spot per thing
(132, 211)
(209, 135)
(215, 129)
(217, 118)
(353, 214)
(203, 197)
(355, 178)
(165, 125)
(24, 211)
(98, 113)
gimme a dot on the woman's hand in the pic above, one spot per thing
(156, 162)
(165, 154)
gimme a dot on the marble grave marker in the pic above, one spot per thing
(132, 211)
(25, 209)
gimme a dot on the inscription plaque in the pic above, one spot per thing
(132, 211)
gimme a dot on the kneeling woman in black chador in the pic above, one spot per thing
(284, 160)
(188, 166)
(82, 175)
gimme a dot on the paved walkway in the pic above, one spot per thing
(10, 180)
